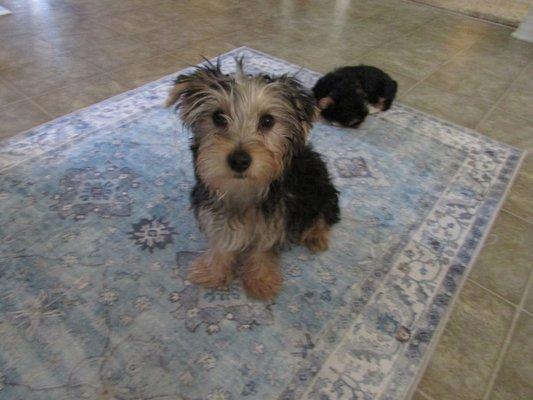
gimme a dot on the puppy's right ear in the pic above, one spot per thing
(191, 92)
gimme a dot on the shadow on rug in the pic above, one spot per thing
(96, 234)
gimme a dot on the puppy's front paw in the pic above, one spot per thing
(262, 278)
(209, 272)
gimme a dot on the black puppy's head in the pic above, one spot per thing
(349, 109)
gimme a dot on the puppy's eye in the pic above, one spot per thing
(266, 122)
(219, 119)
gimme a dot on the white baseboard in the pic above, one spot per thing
(4, 11)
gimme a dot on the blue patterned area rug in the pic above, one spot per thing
(96, 235)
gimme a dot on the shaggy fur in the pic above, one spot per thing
(345, 94)
(259, 185)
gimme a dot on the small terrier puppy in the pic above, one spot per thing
(259, 184)
(343, 95)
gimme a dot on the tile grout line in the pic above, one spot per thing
(528, 153)
(25, 98)
(492, 292)
(500, 99)
(101, 72)
(52, 117)
(460, 14)
(74, 82)
(446, 62)
(517, 216)
(437, 68)
(507, 341)
(387, 42)
(424, 394)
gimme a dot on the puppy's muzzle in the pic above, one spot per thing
(239, 160)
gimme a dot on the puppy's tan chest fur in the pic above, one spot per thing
(238, 232)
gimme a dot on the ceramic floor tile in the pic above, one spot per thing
(135, 22)
(362, 9)
(456, 77)
(500, 41)
(456, 29)
(405, 83)
(520, 198)
(401, 20)
(508, 128)
(26, 48)
(82, 94)
(288, 48)
(20, 116)
(44, 23)
(515, 377)
(82, 40)
(332, 53)
(178, 37)
(35, 78)
(115, 54)
(414, 56)
(506, 259)
(138, 74)
(496, 62)
(210, 48)
(455, 108)
(378, 27)
(519, 98)
(105, 6)
(8, 94)
(466, 354)
(13, 26)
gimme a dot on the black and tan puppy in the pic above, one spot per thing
(344, 95)
(259, 184)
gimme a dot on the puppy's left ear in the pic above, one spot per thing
(303, 101)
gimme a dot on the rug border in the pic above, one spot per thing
(443, 322)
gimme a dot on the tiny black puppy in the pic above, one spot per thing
(343, 95)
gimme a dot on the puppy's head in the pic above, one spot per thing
(245, 128)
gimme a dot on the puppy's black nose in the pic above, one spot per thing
(239, 160)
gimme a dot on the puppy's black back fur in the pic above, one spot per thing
(307, 193)
(373, 82)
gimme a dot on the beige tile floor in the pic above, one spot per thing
(60, 55)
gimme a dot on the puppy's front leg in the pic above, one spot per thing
(212, 269)
(262, 277)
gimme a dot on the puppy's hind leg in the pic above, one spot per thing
(316, 237)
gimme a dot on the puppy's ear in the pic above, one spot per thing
(181, 85)
(325, 102)
(303, 101)
(191, 92)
